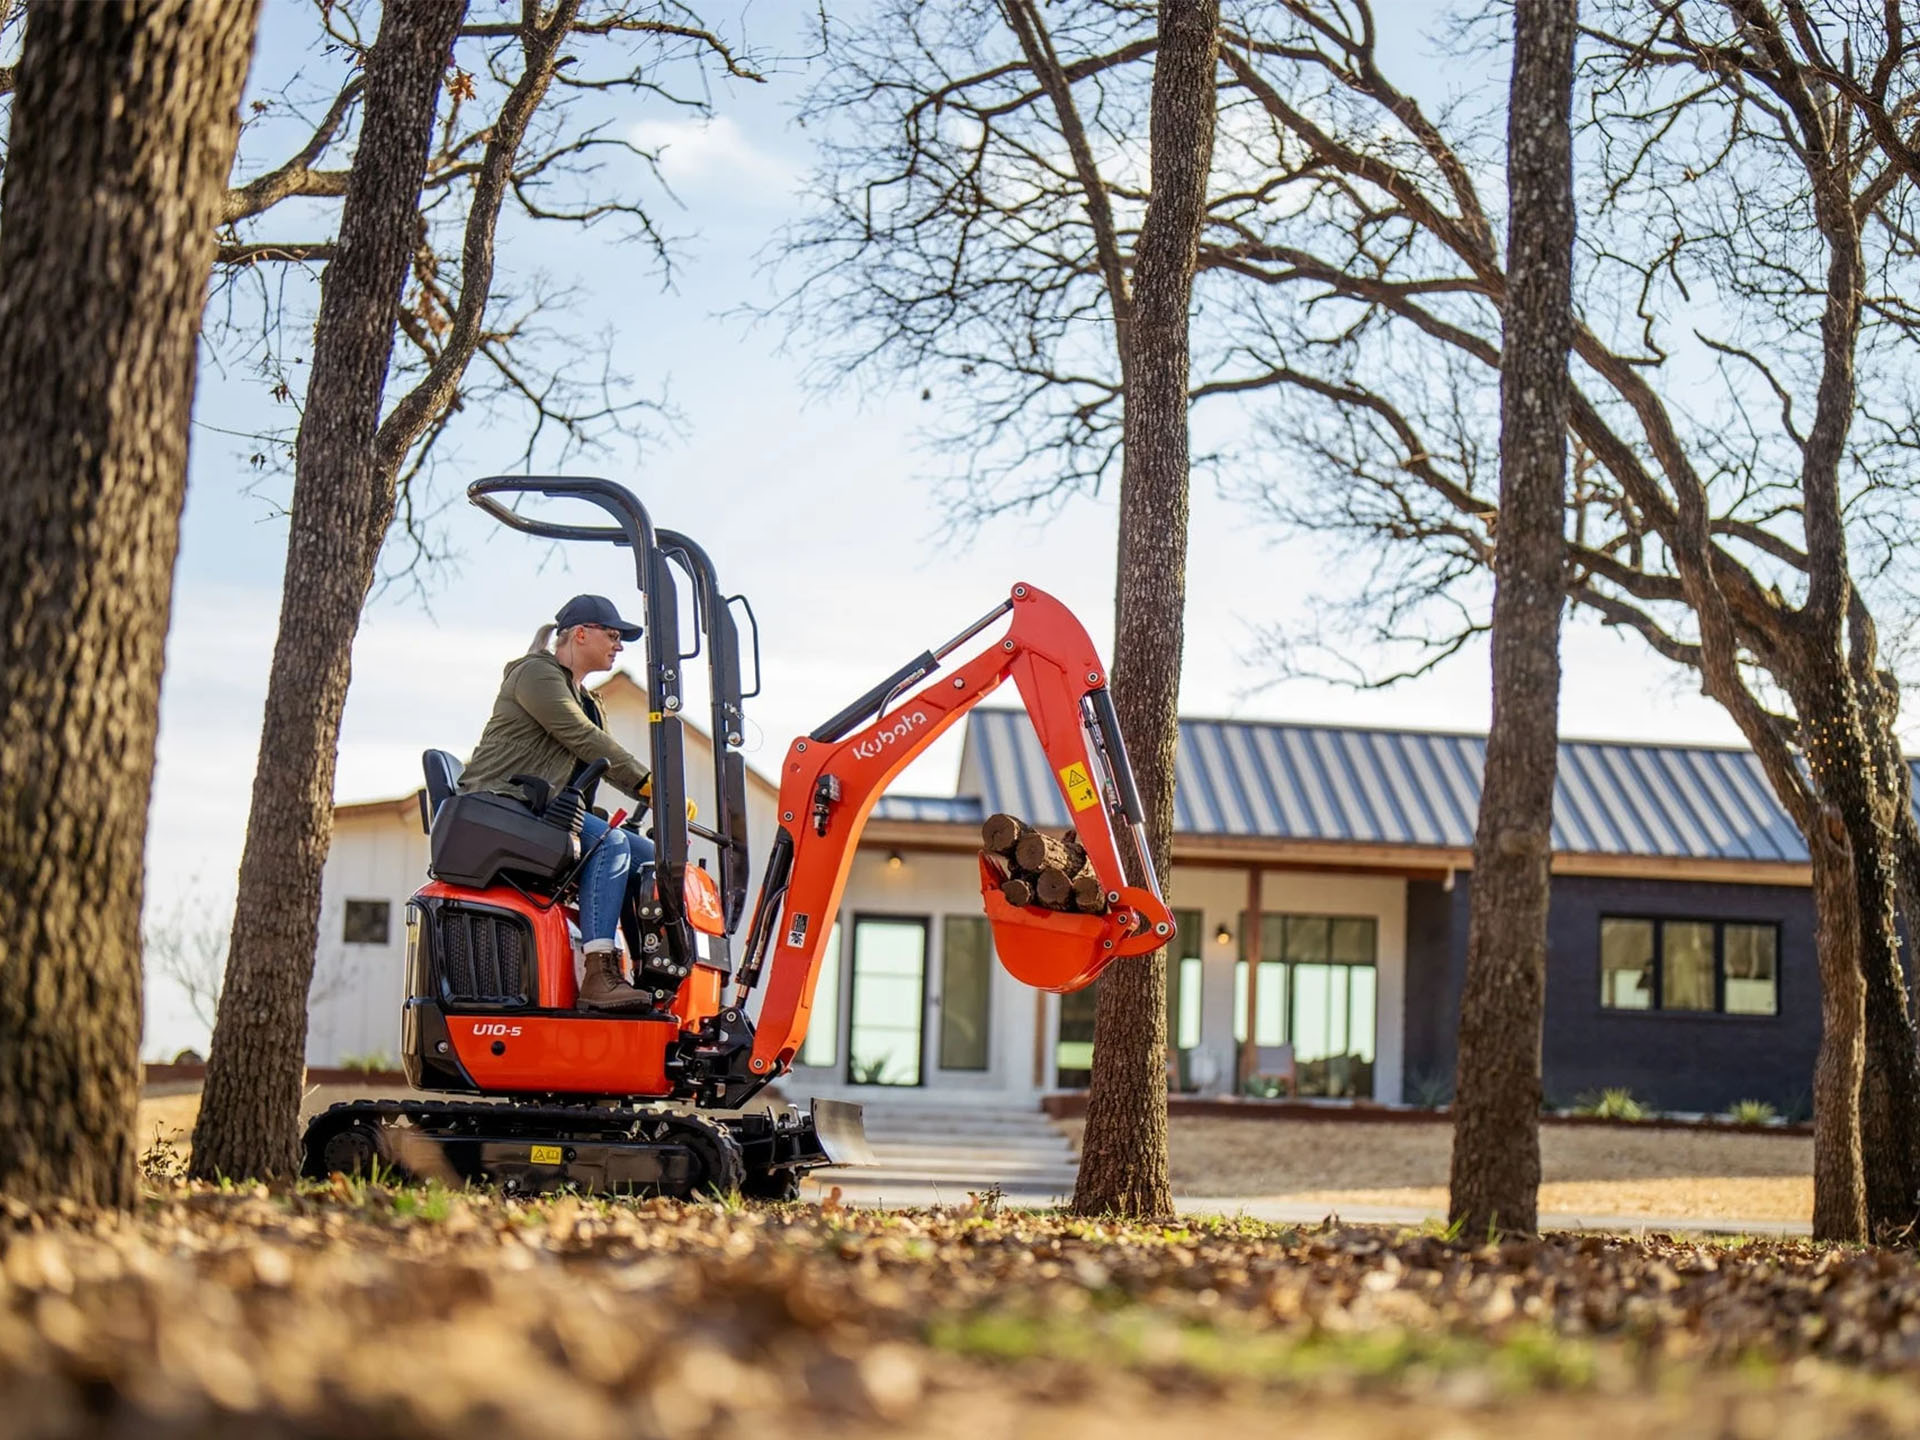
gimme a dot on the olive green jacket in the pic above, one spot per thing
(544, 724)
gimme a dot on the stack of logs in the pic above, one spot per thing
(1036, 869)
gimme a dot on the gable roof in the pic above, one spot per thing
(1336, 783)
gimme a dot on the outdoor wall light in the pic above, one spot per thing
(1223, 935)
(895, 860)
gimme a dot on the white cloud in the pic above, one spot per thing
(709, 151)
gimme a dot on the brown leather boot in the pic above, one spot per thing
(604, 988)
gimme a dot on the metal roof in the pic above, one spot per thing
(932, 809)
(1272, 780)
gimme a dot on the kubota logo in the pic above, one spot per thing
(492, 1028)
(899, 730)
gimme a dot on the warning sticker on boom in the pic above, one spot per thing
(1079, 787)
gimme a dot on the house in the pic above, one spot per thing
(1680, 963)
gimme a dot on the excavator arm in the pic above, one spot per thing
(832, 778)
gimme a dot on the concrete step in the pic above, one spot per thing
(921, 1139)
(998, 1164)
(933, 1125)
(953, 1185)
(947, 1150)
(934, 1134)
(983, 1139)
(978, 1125)
(976, 1162)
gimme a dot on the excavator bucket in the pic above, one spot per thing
(1052, 949)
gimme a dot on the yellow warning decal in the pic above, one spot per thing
(546, 1155)
(654, 717)
(1079, 787)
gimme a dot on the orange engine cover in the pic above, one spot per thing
(564, 1054)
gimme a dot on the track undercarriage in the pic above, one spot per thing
(537, 1147)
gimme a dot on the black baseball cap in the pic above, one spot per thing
(595, 610)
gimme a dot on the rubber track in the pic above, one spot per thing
(507, 1118)
(713, 1141)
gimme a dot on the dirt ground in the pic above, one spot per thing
(1589, 1170)
(168, 1110)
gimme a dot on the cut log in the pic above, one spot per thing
(1055, 888)
(1038, 851)
(1036, 869)
(1000, 832)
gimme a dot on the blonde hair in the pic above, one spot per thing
(542, 639)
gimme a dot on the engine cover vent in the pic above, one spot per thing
(486, 956)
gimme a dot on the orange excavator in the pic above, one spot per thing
(652, 1102)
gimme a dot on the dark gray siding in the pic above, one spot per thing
(1675, 1061)
(1434, 974)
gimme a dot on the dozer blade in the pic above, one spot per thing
(841, 1129)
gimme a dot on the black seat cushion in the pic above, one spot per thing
(443, 783)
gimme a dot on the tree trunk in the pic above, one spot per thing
(1123, 1169)
(1839, 1192)
(1847, 769)
(1495, 1179)
(1890, 1087)
(124, 124)
(342, 506)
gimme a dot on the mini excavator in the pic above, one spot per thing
(652, 1102)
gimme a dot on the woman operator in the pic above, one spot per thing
(545, 724)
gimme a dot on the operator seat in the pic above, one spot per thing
(477, 838)
(443, 782)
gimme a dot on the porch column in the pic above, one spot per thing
(1250, 948)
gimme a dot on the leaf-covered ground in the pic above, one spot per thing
(354, 1310)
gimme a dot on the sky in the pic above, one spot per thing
(820, 504)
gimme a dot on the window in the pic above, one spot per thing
(1184, 971)
(966, 989)
(1626, 964)
(1270, 985)
(1317, 991)
(1073, 1038)
(367, 922)
(889, 1001)
(1751, 963)
(1686, 969)
(822, 1045)
(1704, 966)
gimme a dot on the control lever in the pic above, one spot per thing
(569, 808)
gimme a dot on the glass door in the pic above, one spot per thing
(889, 1001)
(962, 1001)
(1333, 1003)
(1073, 1034)
(1073, 1039)
(1185, 969)
(1316, 991)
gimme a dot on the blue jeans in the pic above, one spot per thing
(603, 884)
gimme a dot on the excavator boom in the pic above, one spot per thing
(831, 779)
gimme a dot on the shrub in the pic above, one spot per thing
(1432, 1088)
(366, 1064)
(1612, 1104)
(1751, 1112)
